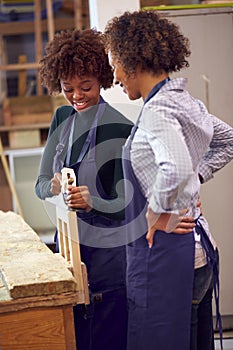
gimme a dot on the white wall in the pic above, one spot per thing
(101, 11)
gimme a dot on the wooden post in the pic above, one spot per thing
(22, 77)
(38, 39)
(2, 74)
(78, 14)
(50, 19)
(10, 180)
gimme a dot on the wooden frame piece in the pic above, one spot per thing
(69, 248)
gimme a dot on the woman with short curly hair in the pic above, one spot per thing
(74, 53)
(87, 135)
(166, 149)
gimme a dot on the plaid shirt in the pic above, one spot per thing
(176, 141)
(173, 135)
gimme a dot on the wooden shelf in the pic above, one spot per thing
(5, 128)
(17, 28)
(24, 135)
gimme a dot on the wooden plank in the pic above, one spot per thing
(27, 266)
(85, 283)
(19, 66)
(69, 241)
(24, 138)
(33, 118)
(30, 104)
(27, 110)
(36, 273)
(13, 28)
(69, 246)
(4, 128)
(8, 304)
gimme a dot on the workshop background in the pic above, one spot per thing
(26, 109)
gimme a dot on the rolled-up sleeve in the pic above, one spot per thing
(220, 151)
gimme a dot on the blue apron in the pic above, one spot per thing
(159, 279)
(212, 262)
(103, 323)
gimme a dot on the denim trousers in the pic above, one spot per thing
(202, 331)
(102, 325)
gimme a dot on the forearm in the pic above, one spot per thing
(220, 151)
(43, 187)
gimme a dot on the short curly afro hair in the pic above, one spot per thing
(75, 53)
(148, 40)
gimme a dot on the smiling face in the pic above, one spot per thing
(127, 82)
(81, 92)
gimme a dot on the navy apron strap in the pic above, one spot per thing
(58, 163)
(67, 134)
(90, 141)
(153, 92)
(212, 261)
(155, 89)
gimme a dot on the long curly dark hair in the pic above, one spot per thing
(148, 40)
(75, 53)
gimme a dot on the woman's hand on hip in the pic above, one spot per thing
(168, 222)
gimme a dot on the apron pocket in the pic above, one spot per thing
(137, 274)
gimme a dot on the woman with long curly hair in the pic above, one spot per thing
(169, 275)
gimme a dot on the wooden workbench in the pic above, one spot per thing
(37, 291)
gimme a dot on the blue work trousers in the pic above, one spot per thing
(102, 325)
(202, 333)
